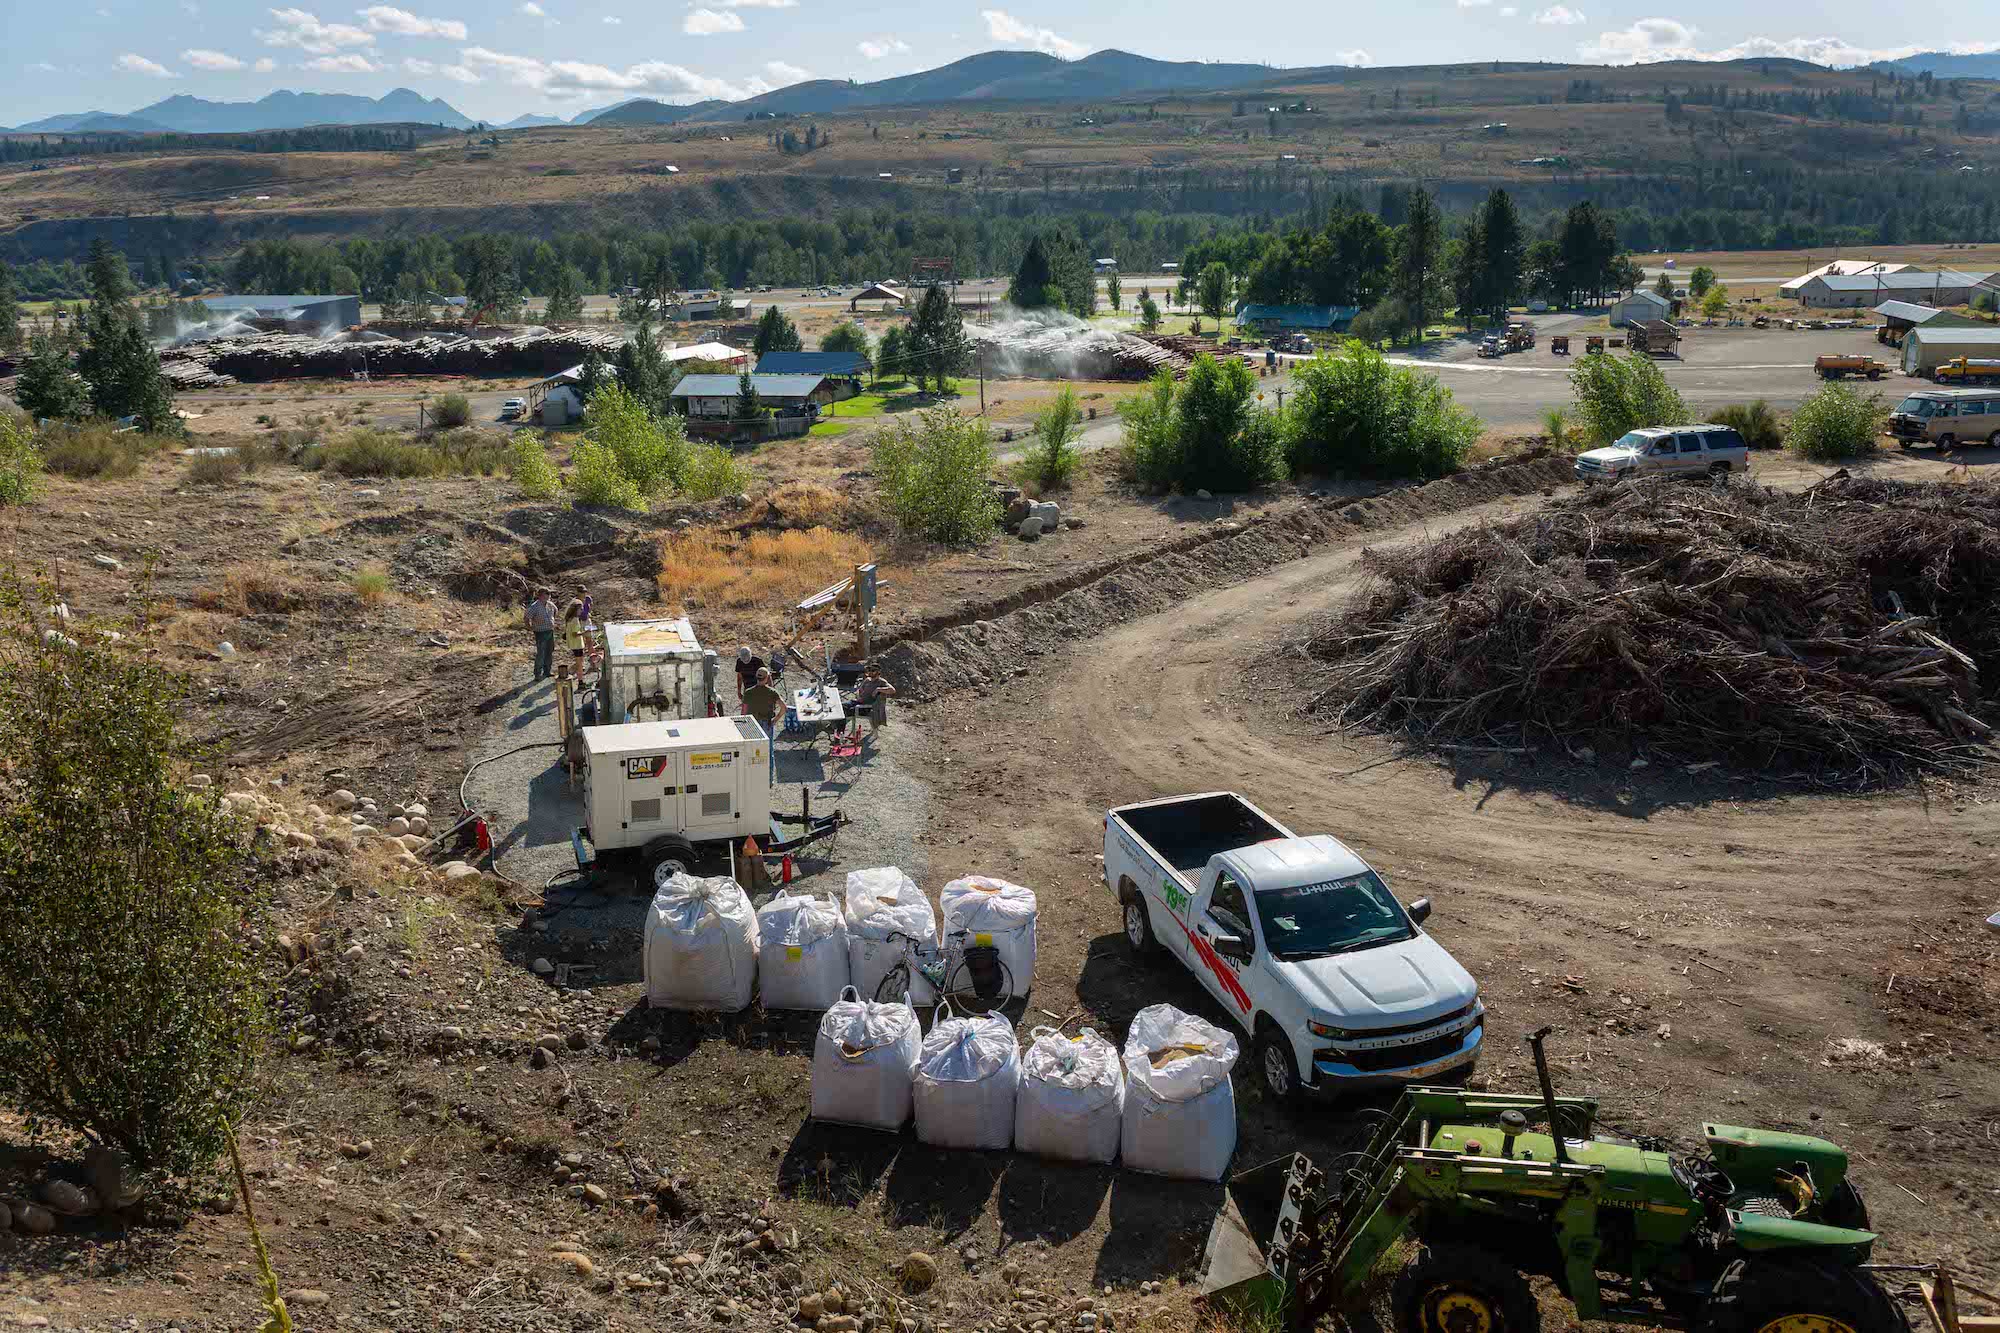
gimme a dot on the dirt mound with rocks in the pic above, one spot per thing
(982, 644)
(1849, 633)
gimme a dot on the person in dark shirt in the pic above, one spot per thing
(748, 664)
(765, 704)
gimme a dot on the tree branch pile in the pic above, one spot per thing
(1849, 633)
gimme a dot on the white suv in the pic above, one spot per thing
(1671, 451)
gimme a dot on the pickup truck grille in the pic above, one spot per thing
(1424, 1026)
(1402, 1057)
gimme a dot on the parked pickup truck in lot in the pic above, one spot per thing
(1666, 451)
(1334, 981)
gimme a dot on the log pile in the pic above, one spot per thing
(224, 361)
(1848, 634)
(1050, 348)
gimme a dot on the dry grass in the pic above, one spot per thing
(252, 589)
(806, 504)
(704, 569)
(371, 584)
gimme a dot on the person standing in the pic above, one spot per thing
(748, 664)
(542, 621)
(764, 703)
(572, 626)
(872, 695)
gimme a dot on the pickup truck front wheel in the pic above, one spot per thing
(1275, 1067)
(1139, 926)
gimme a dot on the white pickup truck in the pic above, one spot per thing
(1334, 981)
(1667, 451)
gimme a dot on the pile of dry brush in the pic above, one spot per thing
(1850, 632)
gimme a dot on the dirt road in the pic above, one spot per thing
(1726, 939)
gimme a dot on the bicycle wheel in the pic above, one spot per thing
(964, 991)
(894, 988)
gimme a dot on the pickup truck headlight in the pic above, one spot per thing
(1329, 1032)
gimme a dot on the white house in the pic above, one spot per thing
(1637, 307)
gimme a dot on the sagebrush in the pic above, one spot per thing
(933, 472)
(1838, 422)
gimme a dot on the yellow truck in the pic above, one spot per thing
(1968, 370)
(1841, 365)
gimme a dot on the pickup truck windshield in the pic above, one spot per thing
(1916, 407)
(1634, 441)
(1334, 916)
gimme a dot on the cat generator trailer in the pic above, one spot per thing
(663, 789)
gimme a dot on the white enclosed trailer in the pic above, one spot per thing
(657, 669)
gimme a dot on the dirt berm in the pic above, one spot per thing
(940, 657)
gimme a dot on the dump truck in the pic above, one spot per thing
(1735, 1231)
(1838, 366)
(1967, 370)
(1559, 345)
(1520, 336)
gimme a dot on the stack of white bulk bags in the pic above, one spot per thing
(992, 911)
(882, 902)
(700, 945)
(864, 1062)
(801, 953)
(1072, 1097)
(967, 1079)
(1180, 1112)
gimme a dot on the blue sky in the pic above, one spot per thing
(498, 58)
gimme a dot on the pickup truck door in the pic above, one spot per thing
(1692, 458)
(1661, 457)
(1222, 908)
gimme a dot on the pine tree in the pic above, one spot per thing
(1503, 253)
(643, 370)
(47, 386)
(776, 333)
(110, 277)
(10, 311)
(1033, 281)
(565, 303)
(1111, 291)
(749, 407)
(1420, 252)
(937, 340)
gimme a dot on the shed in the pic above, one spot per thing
(1939, 288)
(1838, 268)
(714, 396)
(304, 312)
(1273, 318)
(1927, 347)
(1639, 306)
(1899, 317)
(877, 291)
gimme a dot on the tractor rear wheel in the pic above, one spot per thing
(1449, 1288)
(1798, 1295)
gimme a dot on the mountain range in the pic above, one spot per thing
(281, 110)
(1945, 65)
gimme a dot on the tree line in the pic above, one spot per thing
(317, 139)
(100, 365)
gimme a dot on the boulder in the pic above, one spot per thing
(1049, 512)
(458, 870)
(1031, 528)
(397, 827)
(420, 826)
(415, 811)
(69, 1199)
(919, 1271)
(33, 1219)
(341, 800)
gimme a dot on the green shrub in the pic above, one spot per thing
(1616, 394)
(451, 410)
(371, 583)
(596, 479)
(1755, 422)
(1051, 458)
(650, 452)
(20, 460)
(378, 453)
(1204, 433)
(528, 464)
(711, 472)
(933, 472)
(132, 1009)
(96, 449)
(1557, 425)
(1838, 422)
(215, 469)
(472, 452)
(1354, 412)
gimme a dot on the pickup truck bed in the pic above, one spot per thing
(1186, 832)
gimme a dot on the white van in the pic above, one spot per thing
(1947, 418)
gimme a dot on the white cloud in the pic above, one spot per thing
(759, 4)
(1004, 27)
(265, 65)
(459, 73)
(352, 63)
(43, 67)
(1560, 16)
(876, 48)
(201, 59)
(613, 19)
(387, 18)
(574, 79)
(298, 28)
(1354, 57)
(1508, 11)
(1652, 40)
(132, 64)
(786, 73)
(533, 10)
(429, 68)
(1473, 4)
(709, 22)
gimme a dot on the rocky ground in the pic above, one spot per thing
(451, 1136)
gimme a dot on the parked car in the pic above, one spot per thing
(1947, 418)
(512, 408)
(1299, 940)
(1706, 450)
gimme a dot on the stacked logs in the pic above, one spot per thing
(258, 360)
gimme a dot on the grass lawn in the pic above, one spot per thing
(886, 397)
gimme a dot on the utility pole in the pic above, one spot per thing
(982, 379)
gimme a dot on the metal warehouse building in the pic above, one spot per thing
(336, 312)
(1927, 347)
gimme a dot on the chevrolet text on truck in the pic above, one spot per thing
(1334, 981)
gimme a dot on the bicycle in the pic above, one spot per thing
(991, 982)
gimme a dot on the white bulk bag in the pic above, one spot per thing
(881, 902)
(1072, 1098)
(1180, 1111)
(701, 945)
(801, 952)
(992, 911)
(863, 1062)
(966, 1081)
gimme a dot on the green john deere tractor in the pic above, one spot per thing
(1762, 1233)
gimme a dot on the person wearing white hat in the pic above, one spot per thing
(748, 664)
